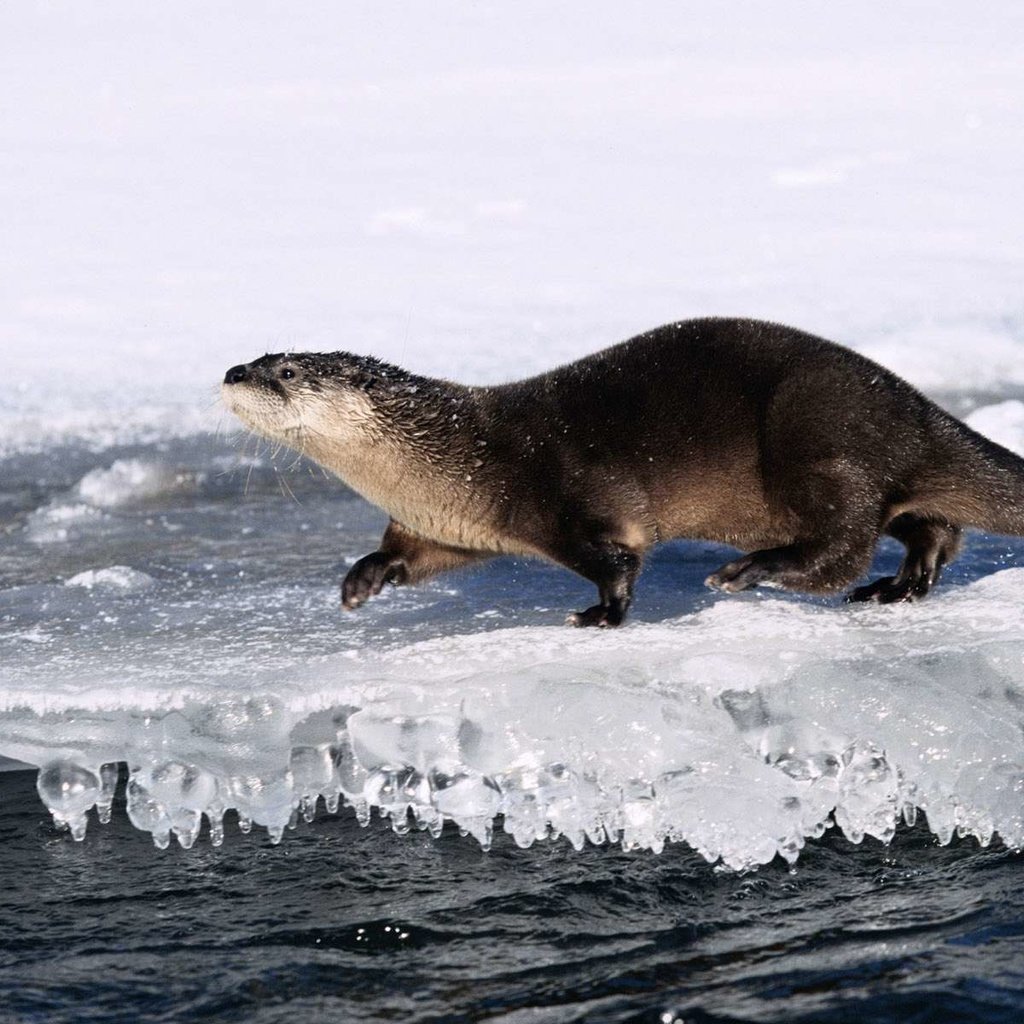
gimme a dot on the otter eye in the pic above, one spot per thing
(287, 373)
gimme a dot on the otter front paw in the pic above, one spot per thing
(367, 577)
(601, 615)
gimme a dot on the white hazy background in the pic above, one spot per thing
(482, 190)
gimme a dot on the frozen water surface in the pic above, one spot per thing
(169, 599)
(178, 611)
(482, 192)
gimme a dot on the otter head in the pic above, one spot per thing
(298, 398)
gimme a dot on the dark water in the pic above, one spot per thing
(341, 923)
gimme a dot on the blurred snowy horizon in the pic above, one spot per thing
(482, 192)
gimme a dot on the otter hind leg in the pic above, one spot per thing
(403, 557)
(931, 545)
(813, 567)
(835, 524)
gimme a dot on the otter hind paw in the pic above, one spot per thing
(742, 574)
(889, 590)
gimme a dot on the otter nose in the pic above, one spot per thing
(236, 375)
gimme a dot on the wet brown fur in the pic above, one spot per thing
(739, 431)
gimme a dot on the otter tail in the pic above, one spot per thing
(981, 483)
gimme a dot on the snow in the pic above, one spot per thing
(120, 577)
(1003, 422)
(126, 480)
(482, 192)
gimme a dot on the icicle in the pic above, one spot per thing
(216, 819)
(69, 790)
(108, 785)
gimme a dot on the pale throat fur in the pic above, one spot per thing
(386, 447)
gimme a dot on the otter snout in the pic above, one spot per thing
(268, 370)
(249, 394)
(262, 393)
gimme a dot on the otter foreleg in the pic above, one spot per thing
(614, 568)
(930, 544)
(403, 557)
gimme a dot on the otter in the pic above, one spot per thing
(763, 437)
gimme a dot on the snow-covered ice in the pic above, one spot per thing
(741, 730)
(481, 195)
